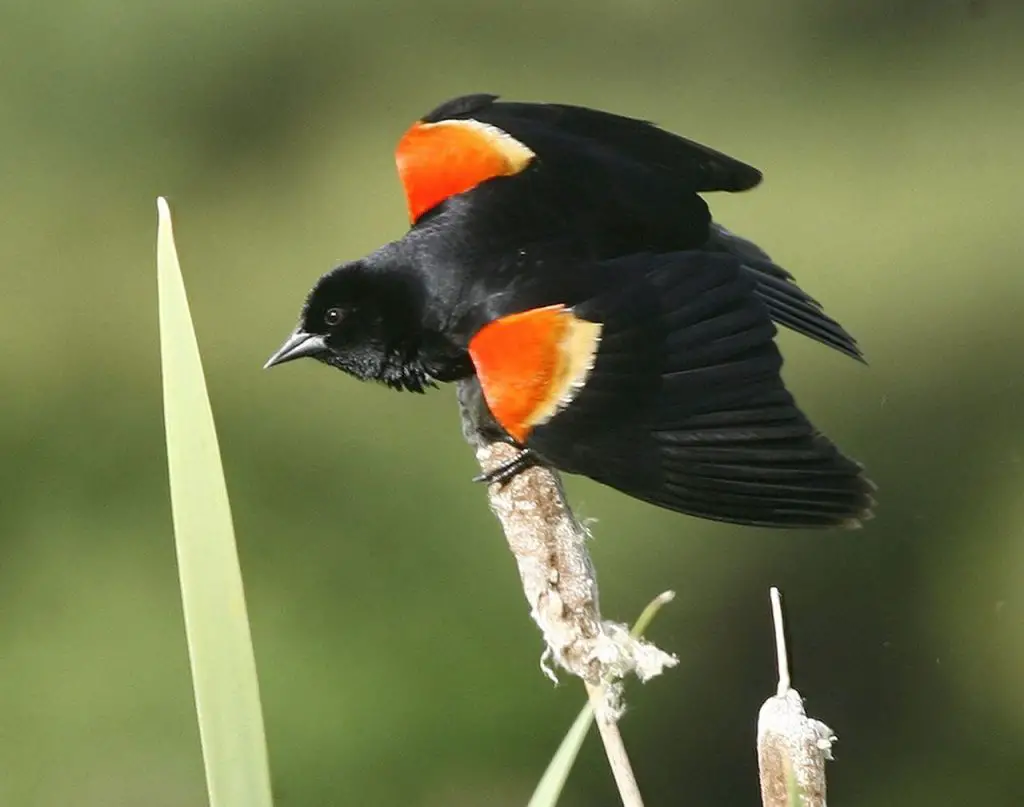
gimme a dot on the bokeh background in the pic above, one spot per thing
(397, 659)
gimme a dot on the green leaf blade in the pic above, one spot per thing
(216, 624)
(550, 786)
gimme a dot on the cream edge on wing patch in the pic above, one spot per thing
(516, 155)
(578, 348)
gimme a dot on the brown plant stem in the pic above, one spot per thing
(560, 584)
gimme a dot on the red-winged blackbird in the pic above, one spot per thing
(561, 261)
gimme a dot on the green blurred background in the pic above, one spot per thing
(397, 659)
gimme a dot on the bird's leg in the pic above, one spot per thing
(504, 472)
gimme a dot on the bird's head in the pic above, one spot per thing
(364, 320)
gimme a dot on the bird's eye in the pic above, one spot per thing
(333, 316)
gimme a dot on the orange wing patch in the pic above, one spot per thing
(531, 365)
(438, 160)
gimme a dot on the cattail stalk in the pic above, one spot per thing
(560, 583)
(791, 747)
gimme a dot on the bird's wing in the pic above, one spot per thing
(788, 304)
(469, 140)
(667, 387)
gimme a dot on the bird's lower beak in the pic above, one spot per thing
(297, 346)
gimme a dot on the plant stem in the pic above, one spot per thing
(615, 750)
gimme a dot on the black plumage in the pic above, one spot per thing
(681, 402)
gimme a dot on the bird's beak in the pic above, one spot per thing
(297, 346)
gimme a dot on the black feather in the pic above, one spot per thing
(692, 165)
(685, 406)
(460, 107)
(787, 303)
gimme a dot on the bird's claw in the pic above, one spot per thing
(509, 469)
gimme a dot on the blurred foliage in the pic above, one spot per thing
(397, 660)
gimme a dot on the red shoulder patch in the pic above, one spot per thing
(531, 365)
(438, 160)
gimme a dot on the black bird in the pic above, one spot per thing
(562, 261)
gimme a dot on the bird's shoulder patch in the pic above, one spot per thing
(532, 364)
(439, 159)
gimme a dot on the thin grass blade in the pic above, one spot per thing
(216, 624)
(549, 788)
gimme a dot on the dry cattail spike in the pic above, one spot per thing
(791, 747)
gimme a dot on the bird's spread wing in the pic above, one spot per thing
(471, 139)
(692, 166)
(667, 387)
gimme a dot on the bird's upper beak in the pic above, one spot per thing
(297, 346)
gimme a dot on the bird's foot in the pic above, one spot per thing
(507, 470)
